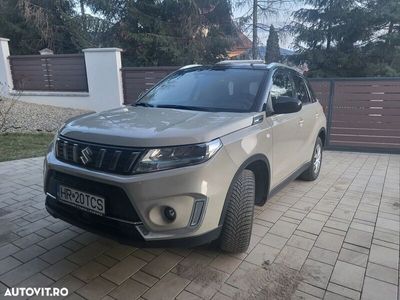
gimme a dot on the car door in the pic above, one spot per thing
(308, 115)
(286, 130)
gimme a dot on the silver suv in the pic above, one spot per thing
(187, 163)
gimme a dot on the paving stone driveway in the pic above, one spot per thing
(333, 238)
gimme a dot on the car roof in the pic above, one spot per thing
(247, 64)
(255, 63)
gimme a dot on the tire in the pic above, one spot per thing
(236, 230)
(313, 170)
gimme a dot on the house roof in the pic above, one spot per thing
(243, 42)
(240, 45)
(284, 52)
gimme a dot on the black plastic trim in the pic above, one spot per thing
(289, 179)
(118, 204)
(244, 165)
(139, 241)
(323, 130)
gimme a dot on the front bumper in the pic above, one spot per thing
(124, 233)
(138, 219)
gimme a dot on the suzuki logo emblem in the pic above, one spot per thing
(86, 156)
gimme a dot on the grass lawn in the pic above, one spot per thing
(23, 145)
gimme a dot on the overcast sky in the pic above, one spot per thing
(284, 18)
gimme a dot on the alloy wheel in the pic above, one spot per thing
(317, 158)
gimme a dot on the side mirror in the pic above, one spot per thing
(287, 105)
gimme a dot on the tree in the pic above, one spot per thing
(383, 51)
(348, 38)
(152, 32)
(256, 16)
(24, 39)
(254, 28)
(331, 22)
(273, 52)
(35, 24)
(168, 32)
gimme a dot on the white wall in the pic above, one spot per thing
(103, 67)
(5, 72)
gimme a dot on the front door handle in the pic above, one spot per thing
(301, 122)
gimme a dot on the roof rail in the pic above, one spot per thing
(274, 65)
(249, 61)
(189, 66)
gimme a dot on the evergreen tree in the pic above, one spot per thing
(273, 53)
(24, 39)
(152, 32)
(35, 24)
(325, 37)
(257, 15)
(168, 32)
(348, 38)
(383, 51)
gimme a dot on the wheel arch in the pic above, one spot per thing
(260, 166)
(322, 136)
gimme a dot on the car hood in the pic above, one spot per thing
(151, 127)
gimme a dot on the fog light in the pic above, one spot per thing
(170, 213)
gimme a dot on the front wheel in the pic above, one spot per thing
(236, 231)
(315, 164)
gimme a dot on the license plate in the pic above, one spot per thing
(81, 200)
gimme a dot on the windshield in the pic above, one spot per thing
(217, 89)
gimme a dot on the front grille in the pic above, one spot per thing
(118, 160)
(114, 229)
(118, 204)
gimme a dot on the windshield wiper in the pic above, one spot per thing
(183, 107)
(144, 104)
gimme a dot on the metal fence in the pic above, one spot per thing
(363, 113)
(61, 72)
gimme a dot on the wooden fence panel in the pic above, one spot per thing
(139, 79)
(321, 90)
(64, 72)
(366, 114)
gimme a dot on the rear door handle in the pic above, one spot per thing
(301, 122)
(317, 115)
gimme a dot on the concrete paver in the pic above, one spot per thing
(335, 238)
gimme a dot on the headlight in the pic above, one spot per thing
(175, 157)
